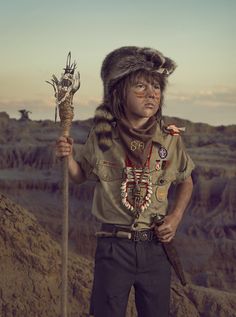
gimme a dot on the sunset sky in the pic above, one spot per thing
(199, 35)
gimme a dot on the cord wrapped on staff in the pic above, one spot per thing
(64, 89)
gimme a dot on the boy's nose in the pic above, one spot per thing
(150, 91)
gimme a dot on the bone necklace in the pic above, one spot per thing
(136, 189)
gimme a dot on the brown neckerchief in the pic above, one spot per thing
(137, 142)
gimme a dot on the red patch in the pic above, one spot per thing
(165, 164)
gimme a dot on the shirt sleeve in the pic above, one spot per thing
(86, 157)
(185, 164)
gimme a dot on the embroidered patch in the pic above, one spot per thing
(136, 145)
(161, 194)
(162, 152)
(165, 164)
(161, 164)
(158, 165)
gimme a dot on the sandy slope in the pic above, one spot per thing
(30, 275)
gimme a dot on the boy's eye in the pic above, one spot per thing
(156, 86)
(139, 86)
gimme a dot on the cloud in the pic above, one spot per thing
(87, 103)
(213, 106)
(85, 109)
(41, 109)
(216, 97)
(45, 108)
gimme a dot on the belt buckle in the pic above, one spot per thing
(144, 236)
(141, 236)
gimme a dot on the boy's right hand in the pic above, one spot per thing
(64, 147)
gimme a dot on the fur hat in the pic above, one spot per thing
(117, 65)
(125, 60)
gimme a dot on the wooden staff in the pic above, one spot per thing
(65, 89)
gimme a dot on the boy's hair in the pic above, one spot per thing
(118, 93)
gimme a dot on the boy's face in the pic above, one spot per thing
(142, 99)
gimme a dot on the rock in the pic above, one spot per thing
(30, 268)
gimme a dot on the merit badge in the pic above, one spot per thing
(161, 194)
(162, 152)
(165, 164)
(158, 165)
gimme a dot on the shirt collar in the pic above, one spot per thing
(158, 135)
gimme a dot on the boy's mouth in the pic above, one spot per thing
(149, 105)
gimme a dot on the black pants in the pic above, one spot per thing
(121, 264)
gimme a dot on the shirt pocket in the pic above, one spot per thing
(160, 178)
(108, 171)
(162, 185)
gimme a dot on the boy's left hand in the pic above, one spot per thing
(166, 231)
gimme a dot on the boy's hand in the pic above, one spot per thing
(64, 147)
(166, 231)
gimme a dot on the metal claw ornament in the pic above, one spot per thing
(64, 90)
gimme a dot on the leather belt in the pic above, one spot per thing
(110, 230)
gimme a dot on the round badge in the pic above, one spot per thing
(161, 194)
(162, 152)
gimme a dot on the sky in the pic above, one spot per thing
(199, 35)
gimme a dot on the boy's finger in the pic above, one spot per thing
(70, 140)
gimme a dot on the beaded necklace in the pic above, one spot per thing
(136, 189)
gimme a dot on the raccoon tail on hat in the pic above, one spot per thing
(103, 126)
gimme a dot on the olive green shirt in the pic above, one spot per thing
(107, 168)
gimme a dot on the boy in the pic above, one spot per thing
(134, 160)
